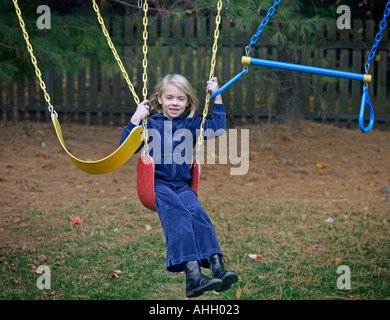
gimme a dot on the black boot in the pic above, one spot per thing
(219, 272)
(198, 283)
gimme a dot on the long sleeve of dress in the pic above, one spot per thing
(214, 126)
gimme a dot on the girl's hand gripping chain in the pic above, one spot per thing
(141, 112)
(212, 86)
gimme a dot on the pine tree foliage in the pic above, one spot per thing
(75, 33)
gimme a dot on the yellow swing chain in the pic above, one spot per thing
(212, 68)
(122, 68)
(33, 58)
(145, 75)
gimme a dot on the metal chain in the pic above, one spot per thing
(212, 68)
(33, 58)
(255, 37)
(145, 75)
(114, 52)
(122, 68)
(378, 37)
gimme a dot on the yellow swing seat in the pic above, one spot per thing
(110, 163)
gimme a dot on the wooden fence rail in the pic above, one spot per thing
(91, 96)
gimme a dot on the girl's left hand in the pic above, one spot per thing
(212, 86)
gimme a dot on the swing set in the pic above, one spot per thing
(366, 78)
(146, 166)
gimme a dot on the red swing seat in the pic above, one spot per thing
(145, 180)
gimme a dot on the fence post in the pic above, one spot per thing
(70, 91)
(237, 88)
(188, 58)
(369, 41)
(357, 66)
(82, 88)
(226, 27)
(344, 64)
(127, 61)
(201, 76)
(331, 86)
(93, 87)
(117, 76)
(318, 82)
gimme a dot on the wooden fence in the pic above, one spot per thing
(91, 96)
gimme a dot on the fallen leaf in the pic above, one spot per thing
(76, 220)
(296, 271)
(320, 165)
(114, 276)
(41, 257)
(311, 248)
(255, 257)
(337, 260)
(329, 220)
(238, 293)
(380, 270)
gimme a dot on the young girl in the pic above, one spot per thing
(190, 237)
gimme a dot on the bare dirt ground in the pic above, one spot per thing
(317, 164)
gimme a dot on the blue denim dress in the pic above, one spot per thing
(189, 233)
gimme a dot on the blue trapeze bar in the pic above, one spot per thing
(228, 84)
(308, 69)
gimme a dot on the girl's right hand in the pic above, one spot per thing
(141, 112)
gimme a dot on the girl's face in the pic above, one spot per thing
(174, 101)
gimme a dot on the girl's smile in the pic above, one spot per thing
(173, 101)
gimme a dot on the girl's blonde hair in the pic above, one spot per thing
(181, 83)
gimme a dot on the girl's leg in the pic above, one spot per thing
(182, 247)
(204, 232)
(207, 240)
(178, 229)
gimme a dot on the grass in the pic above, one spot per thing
(300, 252)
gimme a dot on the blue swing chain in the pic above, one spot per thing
(378, 37)
(263, 24)
(366, 97)
(252, 41)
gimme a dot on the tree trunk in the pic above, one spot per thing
(289, 93)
